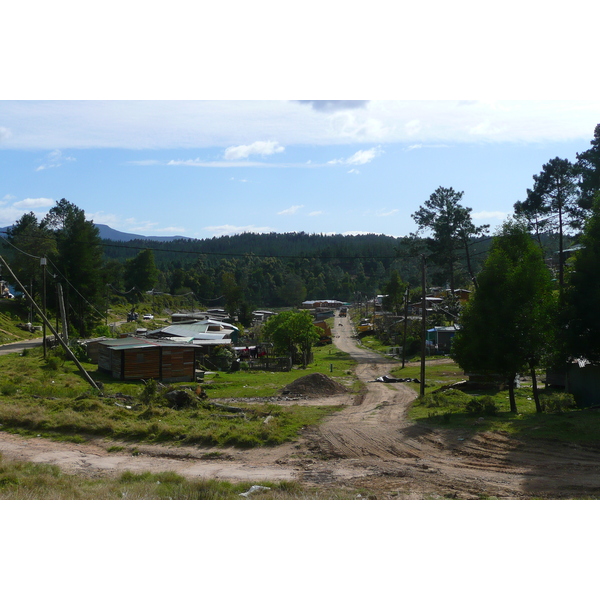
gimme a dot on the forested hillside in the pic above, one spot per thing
(285, 268)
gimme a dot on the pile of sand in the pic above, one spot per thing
(315, 384)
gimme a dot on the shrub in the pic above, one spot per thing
(149, 394)
(53, 363)
(558, 402)
(484, 405)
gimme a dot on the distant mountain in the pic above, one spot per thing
(108, 233)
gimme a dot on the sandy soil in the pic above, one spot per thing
(368, 445)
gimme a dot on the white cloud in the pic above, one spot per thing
(101, 218)
(54, 159)
(145, 226)
(421, 146)
(334, 105)
(236, 125)
(413, 127)
(484, 215)
(144, 163)
(350, 126)
(362, 157)
(9, 197)
(355, 171)
(389, 213)
(220, 230)
(30, 203)
(170, 230)
(261, 148)
(315, 213)
(292, 210)
(196, 162)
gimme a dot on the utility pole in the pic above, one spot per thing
(423, 325)
(43, 265)
(405, 324)
(53, 331)
(63, 314)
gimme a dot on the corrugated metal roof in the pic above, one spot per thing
(130, 343)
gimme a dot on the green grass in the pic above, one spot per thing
(31, 481)
(437, 373)
(13, 312)
(561, 422)
(372, 343)
(52, 400)
(450, 409)
(256, 384)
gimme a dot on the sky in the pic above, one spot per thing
(216, 167)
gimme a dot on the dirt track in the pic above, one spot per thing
(368, 445)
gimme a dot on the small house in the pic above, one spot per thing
(580, 378)
(441, 337)
(134, 358)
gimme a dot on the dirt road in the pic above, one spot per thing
(368, 445)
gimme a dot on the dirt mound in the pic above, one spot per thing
(315, 384)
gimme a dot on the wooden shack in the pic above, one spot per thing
(134, 358)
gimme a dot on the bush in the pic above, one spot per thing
(558, 402)
(53, 363)
(484, 405)
(149, 394)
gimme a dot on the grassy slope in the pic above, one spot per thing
(53, 400)
(11, 314)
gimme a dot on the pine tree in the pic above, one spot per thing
(553, 204)
(582, 325)
(588, 167)
(507, 327)
(80, 262)
(452, 228)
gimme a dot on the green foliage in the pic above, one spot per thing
(484, 405)
(582, 297)
(292, 333)
(588, 168)
(79, 261)
(558, 402)
(149, 394)
(141, 272)
(451, 227)
(395, 294)
(508, 325)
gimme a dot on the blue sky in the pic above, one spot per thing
(206, 168)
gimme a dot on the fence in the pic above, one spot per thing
(270, 363)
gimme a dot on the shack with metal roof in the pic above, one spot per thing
(134, 358)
